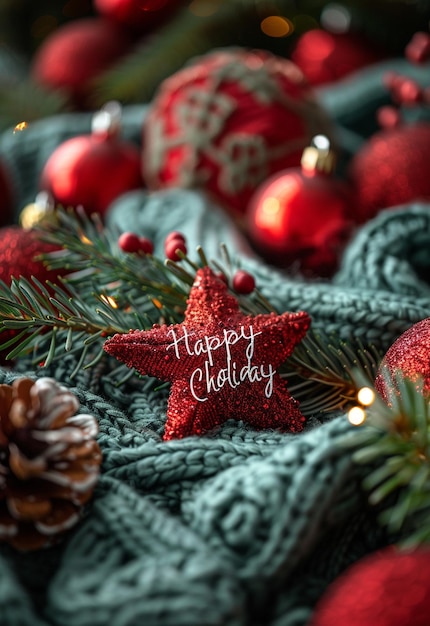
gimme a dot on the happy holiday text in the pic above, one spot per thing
(213, 375)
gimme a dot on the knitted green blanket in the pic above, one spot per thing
(238, 527)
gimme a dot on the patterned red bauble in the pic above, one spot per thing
(387, 588)
(75, 54)
(325, 57)
(301, 217)
(391, 169)
(222, 363)
(93, 170)
(410, 354)
(139, 15)
(226, 122)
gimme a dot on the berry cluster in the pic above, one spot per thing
(404, 90)
(174, 249)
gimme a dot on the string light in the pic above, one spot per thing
(109, 300)
(357, 414)
(20, 127)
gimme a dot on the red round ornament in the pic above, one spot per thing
(139, 15)
(93, 170)
(76, 53)
(391, 169)
(386, 588)
(409, 355)
(325, 57)
(226, 122)
(301, 217)
(19, 248)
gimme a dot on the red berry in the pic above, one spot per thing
(170, 248)
(175, 234)
(146, 245)
(243, 282)
(389, 117)
(418, 49)
(222, 277)
(129, 242)
(409, 92)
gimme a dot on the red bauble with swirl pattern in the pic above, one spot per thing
(226, 122)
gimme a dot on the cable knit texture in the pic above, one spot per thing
(237, 527)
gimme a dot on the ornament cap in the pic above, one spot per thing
(318, 157)
(37, 211)
(107, 121)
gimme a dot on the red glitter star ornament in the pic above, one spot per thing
(222, 363)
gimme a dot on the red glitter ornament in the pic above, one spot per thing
(391, 169)
(19, 248)
(76, 53)
(222, 363)
(386, 588)
(409, 354)
(325, 57)
(301, 217)
(93, 170)
(226, 122)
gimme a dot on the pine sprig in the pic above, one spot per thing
(395, 444)
(322, 371)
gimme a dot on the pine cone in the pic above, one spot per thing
(49, 462)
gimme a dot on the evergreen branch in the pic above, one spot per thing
(322, 371)
(395, 445)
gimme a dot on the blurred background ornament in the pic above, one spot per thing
(93, 170)
(385, 588)
(226, 122)
(138, 15)
(391, 169)
(70, 59)
(301, 217)
(409, 357)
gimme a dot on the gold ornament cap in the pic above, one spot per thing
(36, 212)
(319, 157)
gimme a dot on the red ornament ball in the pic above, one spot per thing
(139, 15)
(391, 169)
(301, 218)
(92, 170)
(75, 54)
(243, 282)
(326, 57)
(386, 588)
(409, 354)
(18, 249)
(226, 122)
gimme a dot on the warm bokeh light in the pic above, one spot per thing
(366, 396)
(109, 300)
(356, 416)
(204, 8)
(276, 26)
(85, 240)
(20, 127)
